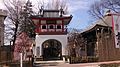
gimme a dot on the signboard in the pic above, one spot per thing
(116, 29)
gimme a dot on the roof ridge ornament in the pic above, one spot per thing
(108, 13)
(61, 12)
(41, 11)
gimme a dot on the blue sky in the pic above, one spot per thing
(79, 9)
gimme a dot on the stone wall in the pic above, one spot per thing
(6, 53)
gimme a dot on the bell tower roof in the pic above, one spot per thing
(45, 14)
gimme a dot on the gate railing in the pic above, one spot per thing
(83, 59)
(11, 63)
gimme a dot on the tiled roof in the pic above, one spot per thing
(107, 22)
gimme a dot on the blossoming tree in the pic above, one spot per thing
(23, 45)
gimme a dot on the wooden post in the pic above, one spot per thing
(21, 60)
(96, 45)
(10, 51)
(0, 54)
(63, 59)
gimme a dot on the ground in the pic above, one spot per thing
(62, 64)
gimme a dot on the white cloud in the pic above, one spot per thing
(2, 5)
(1, 1)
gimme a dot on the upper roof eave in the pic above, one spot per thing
(51, 10)
(38, 17)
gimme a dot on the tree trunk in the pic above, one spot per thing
(15, 34)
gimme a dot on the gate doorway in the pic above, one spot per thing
(52, 50)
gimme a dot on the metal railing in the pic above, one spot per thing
(83, 59)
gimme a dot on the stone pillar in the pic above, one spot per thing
(64, 45)
(38, 46)
(3, 14)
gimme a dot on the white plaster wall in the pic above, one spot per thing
(42, 38)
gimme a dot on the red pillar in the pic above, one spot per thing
(62, 26)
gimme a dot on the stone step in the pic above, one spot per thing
(48, 63)
(39, 59)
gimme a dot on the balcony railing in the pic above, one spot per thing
(52, 31)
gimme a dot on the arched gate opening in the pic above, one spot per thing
(52, 50)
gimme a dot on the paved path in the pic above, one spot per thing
(96, 64)
(76, 65)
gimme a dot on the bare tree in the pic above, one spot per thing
(99, 8)
(19, 17)
(113, 5)
(54, 4)
(76, 45)
(57, 4)
(14, 8)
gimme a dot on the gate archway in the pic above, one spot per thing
(52, 50)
